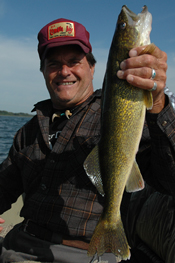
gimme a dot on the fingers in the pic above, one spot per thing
(146, 60)
(137, 70)
(141, 77)
(156, 52)
(141, 65)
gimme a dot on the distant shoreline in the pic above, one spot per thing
(19, 114)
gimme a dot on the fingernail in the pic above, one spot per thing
(129, 78)
(133, 53)
(120, 74)
(123, 65)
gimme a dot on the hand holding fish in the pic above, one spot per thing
(137, 70)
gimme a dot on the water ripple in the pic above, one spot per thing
(8, 127)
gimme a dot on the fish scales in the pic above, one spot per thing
(111, 165)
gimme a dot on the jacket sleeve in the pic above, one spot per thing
(151, 211)
(156, 156)
(10, 179)
(150, 224)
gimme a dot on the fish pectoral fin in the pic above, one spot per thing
(92, 167)
(135, 181)
(148, 99)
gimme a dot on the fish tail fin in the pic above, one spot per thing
(109, 236)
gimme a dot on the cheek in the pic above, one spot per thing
(87, 74)
(49, 78)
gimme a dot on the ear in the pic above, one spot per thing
(92, 69)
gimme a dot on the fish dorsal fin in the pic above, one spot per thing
(135, 181)
(92, 168)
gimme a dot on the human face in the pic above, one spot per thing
(68, 76)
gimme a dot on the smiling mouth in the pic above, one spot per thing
(65, 83)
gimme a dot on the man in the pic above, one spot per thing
(62, 207)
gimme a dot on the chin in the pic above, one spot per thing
(62, 103)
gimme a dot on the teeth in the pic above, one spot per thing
(66, 83)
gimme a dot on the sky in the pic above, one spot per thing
(21, 82)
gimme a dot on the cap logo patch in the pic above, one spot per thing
(61, 29)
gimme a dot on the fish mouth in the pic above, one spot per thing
(132, 14)
(142, 22)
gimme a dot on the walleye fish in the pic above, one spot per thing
(111, 165)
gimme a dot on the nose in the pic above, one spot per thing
(64, 70)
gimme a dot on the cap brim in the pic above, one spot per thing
(65, 43)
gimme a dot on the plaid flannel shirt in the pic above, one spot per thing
(59, 195)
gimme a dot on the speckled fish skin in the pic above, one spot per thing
(123, 114)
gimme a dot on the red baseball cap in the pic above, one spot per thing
(62, 32)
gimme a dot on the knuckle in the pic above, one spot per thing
(145, 72)
(164, 80)
(164, 56)
(148, 60)
(162, 75)
(163, 65)
(162, 85)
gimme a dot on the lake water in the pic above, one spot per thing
(8, 127)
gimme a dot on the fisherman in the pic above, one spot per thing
(61, 206)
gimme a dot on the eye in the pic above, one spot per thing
(51, 64)
(122, 25)
(73, 62)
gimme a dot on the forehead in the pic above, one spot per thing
(65, 51)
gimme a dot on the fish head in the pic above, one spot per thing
(132, 29)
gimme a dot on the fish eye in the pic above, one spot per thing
(122, 25)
